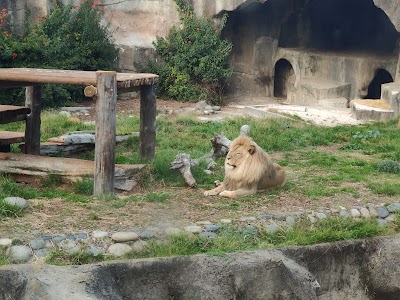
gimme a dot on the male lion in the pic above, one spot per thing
(248, 169)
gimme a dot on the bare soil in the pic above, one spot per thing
(185, 206)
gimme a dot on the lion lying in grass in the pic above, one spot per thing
(248, 169)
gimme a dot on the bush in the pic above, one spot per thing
(389, 166)
(194, 58)
(69, 37)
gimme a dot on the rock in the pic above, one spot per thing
(201, 105)
(19, 253)
(382, 212)
(393, 207)
(365, 213)
(271, 228)
(139, 246)
(119, 249)
(124, 236)
(17, 201)
(99, 234)
(46, 237)
(207, 234)
(58, 238)
(212, 227)
(226, 221)
(290, 220)
(391, 218)
(355, 213)
(193, 229)
(265, 217)
(67, 244)
(216, 107)
(173, 231)
(93, 250)
(147, 234)
(42, 252)
(248, 219)
(278, 218)
(70, 237)
(249, 230)
(73, 250)
(312, 218)
(320, 216)
(344, 213)
(5, 242)
(37, 244)
(382, 222)
(206, 222)
(81, 236)
(372, 211)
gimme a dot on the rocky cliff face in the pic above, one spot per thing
(352, 32)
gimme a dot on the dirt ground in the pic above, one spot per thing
(184, 206)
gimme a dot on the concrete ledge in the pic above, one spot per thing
(371, 110)
(391, 94)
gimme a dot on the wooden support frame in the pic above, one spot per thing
(148, 111)
(33, 120)
(105, 132)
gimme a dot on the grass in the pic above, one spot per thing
(324, 165)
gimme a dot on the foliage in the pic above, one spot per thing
(69, 37)
(194, 58)
(389, 166)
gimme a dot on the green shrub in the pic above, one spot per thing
(194, 58)
(69, 37)
(389, 166)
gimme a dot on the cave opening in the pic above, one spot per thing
(284, 78)
(375, 87)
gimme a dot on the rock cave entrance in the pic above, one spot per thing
(374, 89)
(284, 78)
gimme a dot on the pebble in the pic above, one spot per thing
(93, 250)
(42, 252)
(124, 236)
(58, 238)
(382, 212)
(193, 229)
(119, 249)
(312, 218)
(250, 230)
(372, 212)
(73, 250)
(203, 223)
(67, 244)
(390, 218)
(46, 237)
(81, 236)
(265, 217)
(382, 222)
(355, 213)
(19, 253)
(16, 201)
(279, 218)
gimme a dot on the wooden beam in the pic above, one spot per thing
(12, 113)
(32, 130)
(147, 121)
(105, 132)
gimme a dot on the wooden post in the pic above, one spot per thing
(147, 121)
(32, 130)
(105, 132)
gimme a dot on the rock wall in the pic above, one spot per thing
(366, 269)
(259, 30)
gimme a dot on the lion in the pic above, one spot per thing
(248, 169)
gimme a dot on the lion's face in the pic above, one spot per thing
(238, 155)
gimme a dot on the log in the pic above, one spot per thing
(183, 163)
(29, 168)
(32, 130)
(105, 132)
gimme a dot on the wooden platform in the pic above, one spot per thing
(11, 137)
(11, 113)
(10, 77)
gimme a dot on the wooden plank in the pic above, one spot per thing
(11, 137)
(11, 113)
(32, 129)
(70, 169)
(105, 132)
(30, 76)
(147, 121)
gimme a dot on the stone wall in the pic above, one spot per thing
(259, 31)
